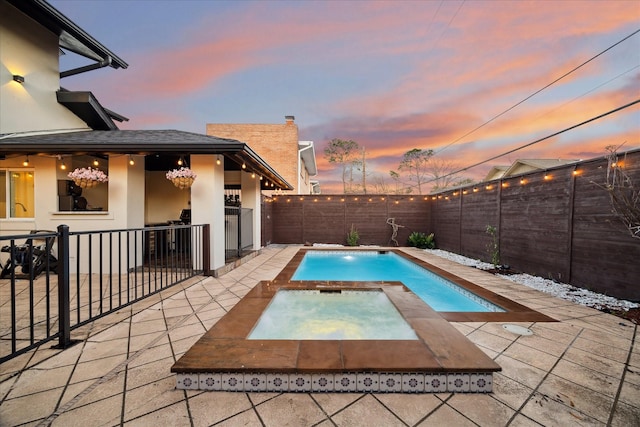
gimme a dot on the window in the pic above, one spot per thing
(17, 198)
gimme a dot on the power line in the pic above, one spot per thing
(536, 92)
(538, 140)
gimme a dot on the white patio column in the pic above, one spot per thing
(250, 190)
(207, 202)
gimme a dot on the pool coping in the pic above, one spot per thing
(442, 359)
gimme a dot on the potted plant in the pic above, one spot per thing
(88, 177)
(181, 178)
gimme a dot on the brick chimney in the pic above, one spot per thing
(289, 119)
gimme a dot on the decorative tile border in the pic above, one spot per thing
(362, 382)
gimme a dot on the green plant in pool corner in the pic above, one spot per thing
(422, 240)
(494, 246)
(353, 236)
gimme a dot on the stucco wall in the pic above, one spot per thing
(29, 50)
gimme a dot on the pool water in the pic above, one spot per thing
(335, 315)
(437, 292)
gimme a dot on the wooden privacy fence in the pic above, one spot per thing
(560, 226)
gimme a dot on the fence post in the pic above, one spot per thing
(239, 221)
(206, 249)
(64, 309)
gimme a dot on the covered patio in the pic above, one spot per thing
(136, 157)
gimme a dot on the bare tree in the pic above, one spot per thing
(343, 152)
(441, 172)
(623, 192)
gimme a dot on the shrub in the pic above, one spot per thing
(422, 240)
(353, 237)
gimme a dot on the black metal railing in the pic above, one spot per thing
(47, 290)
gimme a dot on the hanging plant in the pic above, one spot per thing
(181, 178)
(88, 177)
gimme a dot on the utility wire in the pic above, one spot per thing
(536, 92)
(537, 140)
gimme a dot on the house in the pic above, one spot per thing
(522, 166)
(278, 144)
(47, 131)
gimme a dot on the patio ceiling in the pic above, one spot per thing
(141, 142)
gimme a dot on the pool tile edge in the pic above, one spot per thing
(361, 382)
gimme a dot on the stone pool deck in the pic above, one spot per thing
(582, 370)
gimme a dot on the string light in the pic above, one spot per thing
(253, 174)
(218, 160)
(244, 166)
(131, 162)
(180, 161)
(96, 162)
(26, 161)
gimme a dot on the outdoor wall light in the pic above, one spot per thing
(180, 161)
(522, 181)
(253, 174)
(131, 161)
(244, 166)
(26, 161)
(96, 162)
(18, 78)
(218, 160)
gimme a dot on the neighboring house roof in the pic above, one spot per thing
(84, 105)
(496, 172)
(308, 154)
(527, 165)
(72, 37)
(141, 142)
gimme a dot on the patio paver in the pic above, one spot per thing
(582, 370)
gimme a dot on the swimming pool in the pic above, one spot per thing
(440, 293)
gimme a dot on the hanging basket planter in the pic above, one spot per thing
(86, 183)
(182, 183)
(87, 177)
(181, 178)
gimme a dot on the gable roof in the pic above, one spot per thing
(140, 142)
(71, 36)
(528, 165)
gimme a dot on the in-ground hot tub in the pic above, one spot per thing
(331, 314)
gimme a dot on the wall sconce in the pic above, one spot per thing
(18, 78)
(26, 161)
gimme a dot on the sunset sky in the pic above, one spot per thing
(391, 76)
